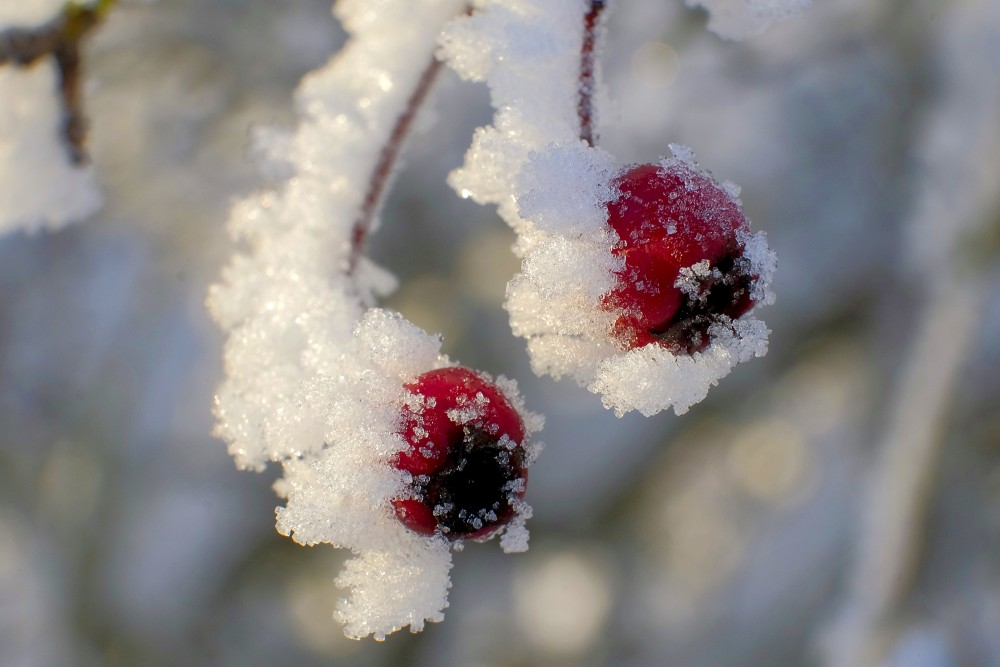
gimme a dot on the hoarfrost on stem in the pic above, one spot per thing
(314, 375)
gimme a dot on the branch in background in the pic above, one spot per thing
(62, 39)
(585, 105)
(902, 482)
(957, 201)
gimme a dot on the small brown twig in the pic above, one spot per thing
(60, 38)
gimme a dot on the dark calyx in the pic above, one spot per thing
(473, 492)
(719, 297)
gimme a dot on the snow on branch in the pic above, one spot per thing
(316, 378)
(42, 127)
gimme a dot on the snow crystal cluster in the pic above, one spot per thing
(552, 189)
(41, 188)
(739, 19)
(314, 375)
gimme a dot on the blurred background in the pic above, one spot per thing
(835, 504)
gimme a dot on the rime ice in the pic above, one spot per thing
(553, 190)
(314, 376)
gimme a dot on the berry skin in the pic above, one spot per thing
(465, 452)
(684, 269)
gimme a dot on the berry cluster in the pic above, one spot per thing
(381, 455)
(682, 271)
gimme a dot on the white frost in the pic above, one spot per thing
(389, 585)
(650, 379)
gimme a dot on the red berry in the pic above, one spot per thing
(683, 270)
(465, 452)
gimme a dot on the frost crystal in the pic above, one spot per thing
(314, 376)
(552, 188)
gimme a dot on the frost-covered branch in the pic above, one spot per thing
(42, 126)
(903, 478)
(61, 39)
(316, 379)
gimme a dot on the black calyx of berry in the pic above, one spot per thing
(723, 295)
(476, 488)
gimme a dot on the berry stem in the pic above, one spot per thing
(585, 104)
(387, 159)
(384, 168)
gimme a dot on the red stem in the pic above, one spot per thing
(383, 171)
(585, 105)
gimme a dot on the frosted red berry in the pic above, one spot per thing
(679, 236)
(465, 454)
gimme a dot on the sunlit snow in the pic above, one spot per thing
(314, 375)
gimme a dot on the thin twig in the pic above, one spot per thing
(60, 38)
(383, 171)
(585, 104)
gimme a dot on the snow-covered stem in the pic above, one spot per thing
(585, 107)
(23, 46)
